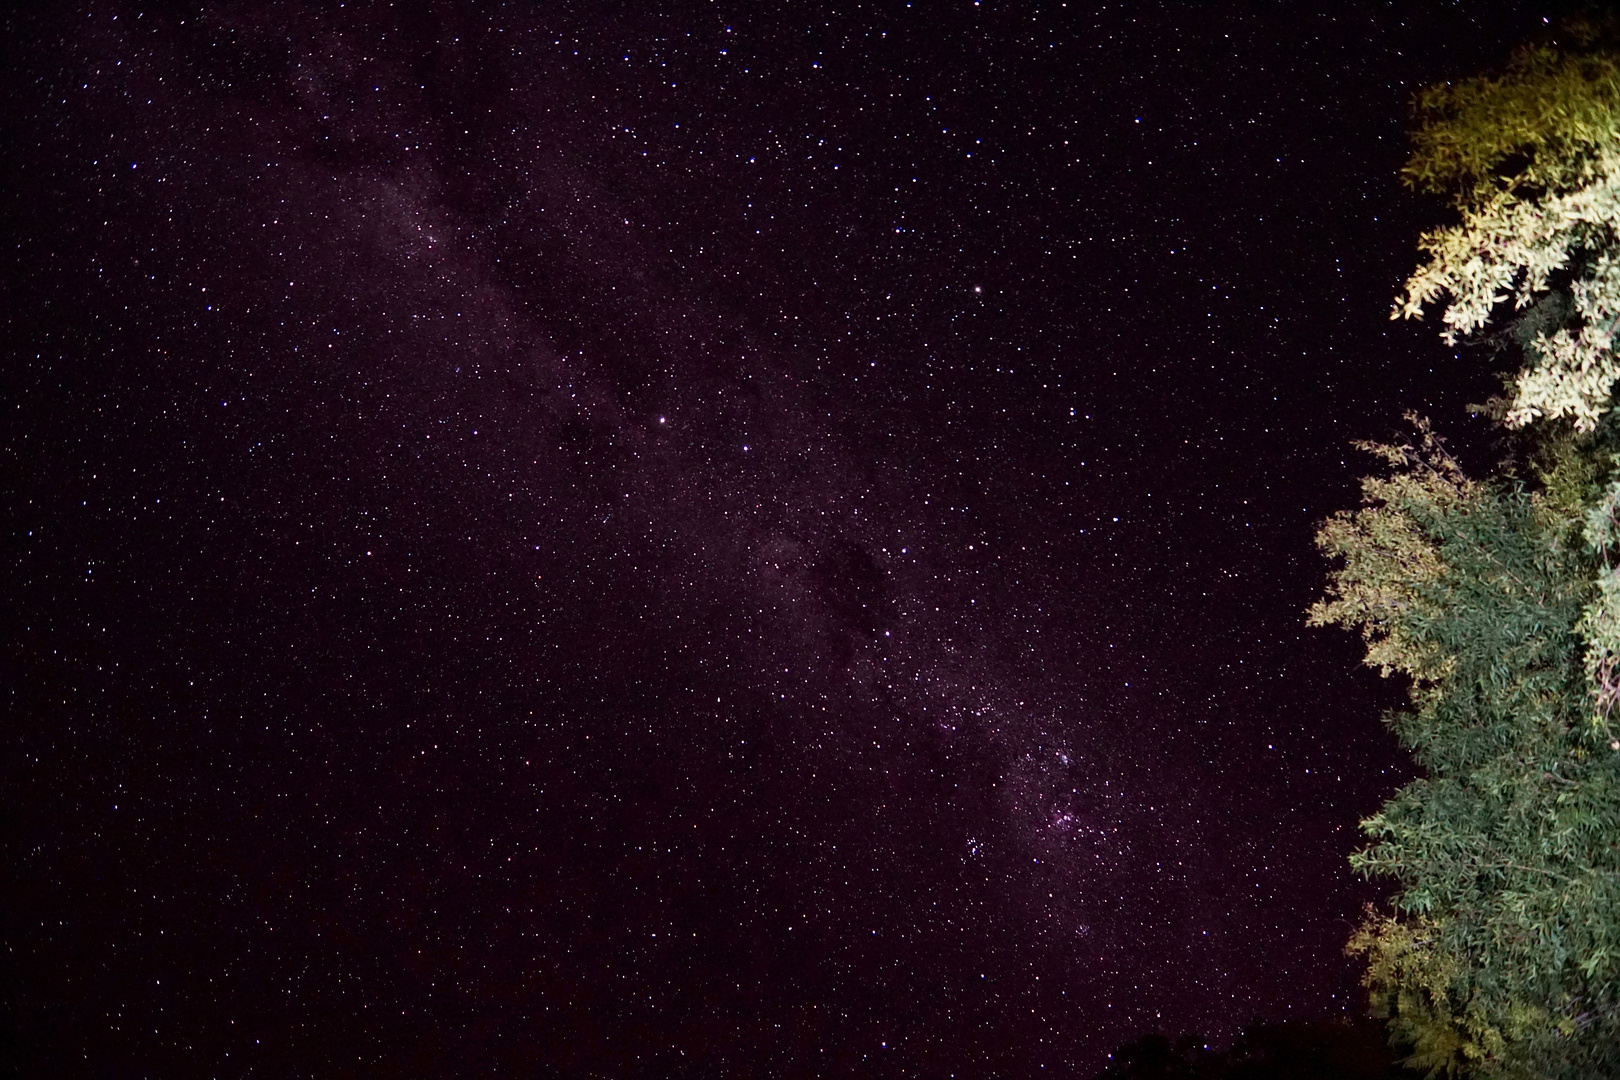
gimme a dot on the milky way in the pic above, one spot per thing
(692, 542)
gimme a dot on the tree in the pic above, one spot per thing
(1531, 162)
(1473, 590)
(1330, 1050)
(1497, 599)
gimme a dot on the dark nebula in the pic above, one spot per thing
(641, 540)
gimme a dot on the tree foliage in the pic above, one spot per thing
(1530, 159)
(1498, 600)
(1509, 910)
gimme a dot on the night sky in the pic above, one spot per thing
(653, 540)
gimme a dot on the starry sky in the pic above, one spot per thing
(659, 540)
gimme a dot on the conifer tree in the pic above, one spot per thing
(1497, 598)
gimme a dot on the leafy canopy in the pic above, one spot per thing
(1504, 924)
(1498, 600)
(1530, 159)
